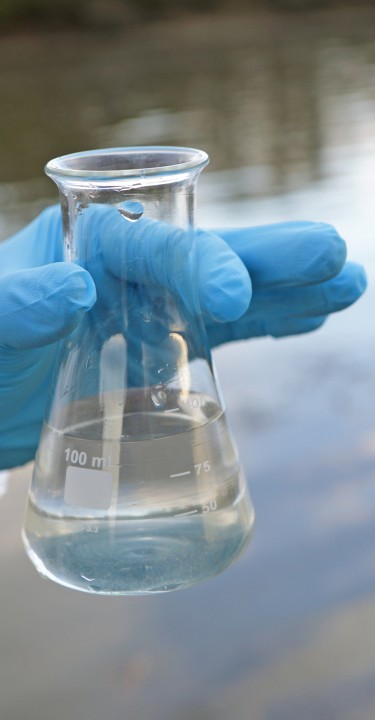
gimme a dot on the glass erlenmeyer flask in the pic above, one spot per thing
(137, 486)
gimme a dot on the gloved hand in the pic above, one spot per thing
(298, 272)
(299, 277)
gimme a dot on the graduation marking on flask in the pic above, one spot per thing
(180, 474)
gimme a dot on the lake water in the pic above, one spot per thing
(285, 106)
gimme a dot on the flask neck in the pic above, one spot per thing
(129, 221)
(153, 183)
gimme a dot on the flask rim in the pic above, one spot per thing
(127, 162)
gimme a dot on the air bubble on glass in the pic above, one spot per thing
(158, 396)
(131, 210)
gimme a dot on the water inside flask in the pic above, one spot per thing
(137, 486)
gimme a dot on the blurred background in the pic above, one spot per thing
(281, 93)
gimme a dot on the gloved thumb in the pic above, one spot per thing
(38, 306)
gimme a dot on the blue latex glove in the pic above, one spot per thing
(299, 276)
(298, 273)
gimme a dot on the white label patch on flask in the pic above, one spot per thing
(88, 488)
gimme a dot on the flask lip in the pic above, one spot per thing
(127, 162)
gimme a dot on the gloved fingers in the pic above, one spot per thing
(39, 306)
(147, 252)
(291, 311)
(311, 300)
(25, 381)
(223, 282)
(38, 243)
(248, 327)
(288, 254)
(142, 252)
(294, 326)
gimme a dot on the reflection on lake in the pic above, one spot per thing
(285, 106)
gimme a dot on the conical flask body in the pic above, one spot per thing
(137, 486)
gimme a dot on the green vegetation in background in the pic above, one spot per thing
(13, 12)
(44, 13)
(90, 13)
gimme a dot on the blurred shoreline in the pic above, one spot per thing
(68, 90)
(204, 27)
(38, 17)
